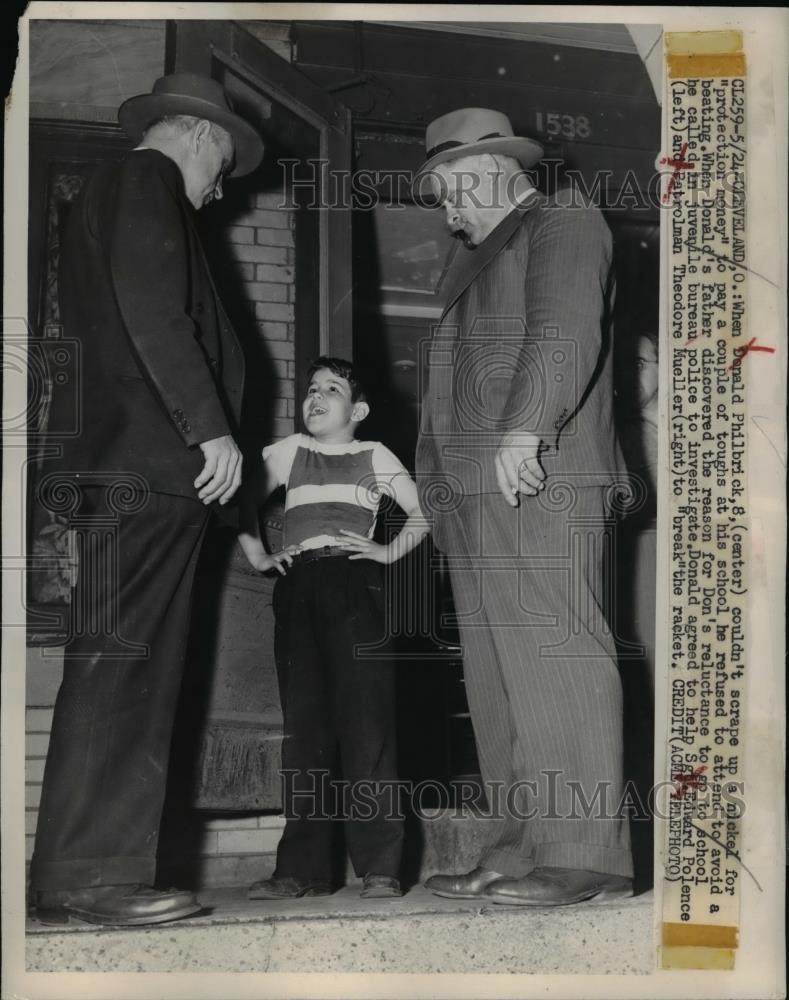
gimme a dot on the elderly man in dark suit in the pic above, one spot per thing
(517, 460)
(161, 380)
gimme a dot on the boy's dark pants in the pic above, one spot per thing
(336, 697)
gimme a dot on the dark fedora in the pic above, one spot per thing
(473, 131)
(202, 97)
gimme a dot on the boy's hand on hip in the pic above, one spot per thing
(266, 561)
(518, 468)
(362, 547)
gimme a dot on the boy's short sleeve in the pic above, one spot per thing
(387, 466)
(279, 458)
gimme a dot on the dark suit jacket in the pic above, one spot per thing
(523, 345)
(161, 368)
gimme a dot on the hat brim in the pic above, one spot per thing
(136, 114)
(526, 151)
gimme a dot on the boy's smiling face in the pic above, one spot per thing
(330, 415)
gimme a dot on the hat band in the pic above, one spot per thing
(454, 143)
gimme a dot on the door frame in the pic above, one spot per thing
(324, 316)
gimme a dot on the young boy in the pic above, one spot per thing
(328, 604)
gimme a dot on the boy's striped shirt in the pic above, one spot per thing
(330, 486)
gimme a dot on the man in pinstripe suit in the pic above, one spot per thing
(517, 462)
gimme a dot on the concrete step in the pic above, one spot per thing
(419, 933)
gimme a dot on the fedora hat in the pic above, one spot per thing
(472, 131)
(202, 97)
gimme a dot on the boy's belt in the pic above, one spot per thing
(324, 552)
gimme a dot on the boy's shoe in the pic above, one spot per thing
(380, 887)
(288, 887)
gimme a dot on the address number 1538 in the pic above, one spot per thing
(567, 126)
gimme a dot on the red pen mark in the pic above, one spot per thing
(687, 782)
(680, 163)
(740, 352)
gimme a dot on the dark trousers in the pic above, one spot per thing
(106, 770)
(335, 697)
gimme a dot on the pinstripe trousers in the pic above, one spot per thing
(543, 687)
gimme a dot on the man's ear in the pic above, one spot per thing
(489, 163)
(360, 411)
(491, 167)
(202, 131)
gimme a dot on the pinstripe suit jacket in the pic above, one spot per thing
(524, 344)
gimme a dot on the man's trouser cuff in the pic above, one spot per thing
(84, 873)
(582, 857)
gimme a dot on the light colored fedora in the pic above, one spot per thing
(470, 131)
(193, 94)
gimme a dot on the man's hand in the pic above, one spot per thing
(518, 468)
(221, 475)
(263, 561)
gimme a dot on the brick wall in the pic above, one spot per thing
(237, 850)
(38, 723)
(259, 237)
(260, 240)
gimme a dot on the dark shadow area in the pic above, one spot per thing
(638, 696)
(636, 262)
(260, 375)
(182, 829)
(194, 789)
(371, 349)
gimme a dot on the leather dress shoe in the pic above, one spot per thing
(468, 886)
(114, 905)
(288, 887)
(380, 887)
(559, 887)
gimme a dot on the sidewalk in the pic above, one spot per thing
(418, 933)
